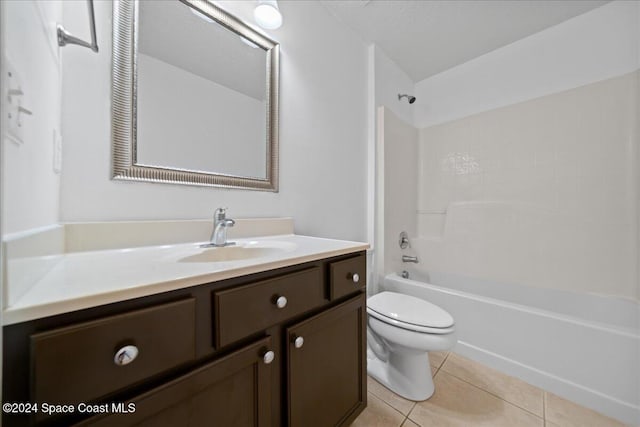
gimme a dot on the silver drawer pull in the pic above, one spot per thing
(355, 277)
(268, 357)
(281, 302)
(125, 355)
(298, 342)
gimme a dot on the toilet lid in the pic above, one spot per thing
(410, 310)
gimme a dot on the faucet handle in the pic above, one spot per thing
(220, 213)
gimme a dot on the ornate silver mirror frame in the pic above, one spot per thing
(124, 103)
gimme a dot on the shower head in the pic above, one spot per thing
(410, 98)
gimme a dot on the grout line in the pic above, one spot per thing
(445, 359)
(382, 398)
(544, 407)
(495, 395)
(390, 405)
(442, 363)
(411, 410)
(413, 421)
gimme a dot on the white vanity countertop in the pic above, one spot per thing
(87, 279)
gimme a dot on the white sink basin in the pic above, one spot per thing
(242, 251)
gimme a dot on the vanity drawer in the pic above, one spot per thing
(244, 310)
(77, 363)
(348, 276)
(234, 390)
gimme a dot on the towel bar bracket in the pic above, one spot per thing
(65, 38)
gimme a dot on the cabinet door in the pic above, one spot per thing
(231, 391)
(327, 366)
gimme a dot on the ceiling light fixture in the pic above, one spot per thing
(267, 14)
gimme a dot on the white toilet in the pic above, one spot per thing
(401, 330)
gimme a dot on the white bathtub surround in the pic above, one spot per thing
(542, 337)
(397, 188)
(541, 193)
(86, 279)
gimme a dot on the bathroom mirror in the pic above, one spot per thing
(194, 97)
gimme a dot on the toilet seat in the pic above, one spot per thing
(408, 312)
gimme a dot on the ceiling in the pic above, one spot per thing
(427, 37)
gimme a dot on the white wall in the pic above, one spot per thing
(189, 122)
(30, 186)
(323, 130)
(594, 46)
(391, 80)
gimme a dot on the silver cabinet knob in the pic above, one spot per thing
(125, 355)
(268, 357)
(281, 302)
(298, 342)
(355, 277)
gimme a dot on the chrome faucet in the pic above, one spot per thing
(220, 225)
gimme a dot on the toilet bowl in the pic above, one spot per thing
(401, 331)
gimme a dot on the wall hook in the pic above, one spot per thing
(65, 38)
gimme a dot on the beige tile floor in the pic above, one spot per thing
(471, 394)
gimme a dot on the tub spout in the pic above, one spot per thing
(407, 258)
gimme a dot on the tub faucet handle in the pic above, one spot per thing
(403, 240)
(407, 258)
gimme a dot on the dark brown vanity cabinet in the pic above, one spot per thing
(284, 347)
(327, 366)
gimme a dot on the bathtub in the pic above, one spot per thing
(583, 347)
